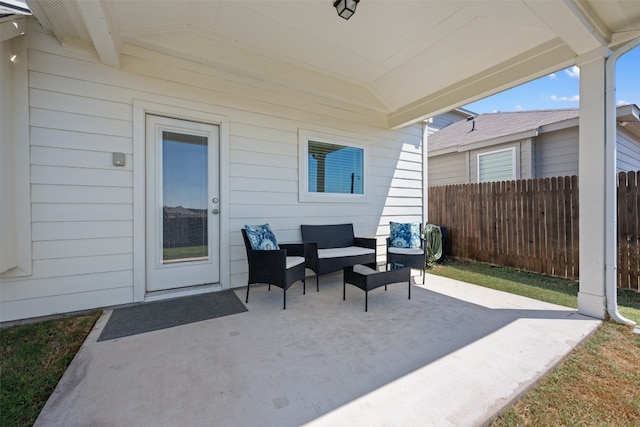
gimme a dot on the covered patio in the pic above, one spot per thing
(299, 67)
(454, 354)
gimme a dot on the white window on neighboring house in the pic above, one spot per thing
(331, 169)
(499, 165)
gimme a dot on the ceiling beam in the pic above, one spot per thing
(535, 63)
(573, 22)
(97, 20)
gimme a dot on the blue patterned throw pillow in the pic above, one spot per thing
(261, 237)
(405, 235)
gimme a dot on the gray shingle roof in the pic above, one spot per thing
(495, 125)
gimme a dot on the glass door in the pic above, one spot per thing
(182, 204)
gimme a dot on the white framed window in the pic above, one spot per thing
(332, 169)
(498, 165)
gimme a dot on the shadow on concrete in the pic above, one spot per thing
(455, 354)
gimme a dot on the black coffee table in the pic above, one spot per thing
(367, 279)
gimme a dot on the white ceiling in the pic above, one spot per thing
(405, 58)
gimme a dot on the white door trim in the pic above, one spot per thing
(190, 111)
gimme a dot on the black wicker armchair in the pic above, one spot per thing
(410, 257)
(282, 267)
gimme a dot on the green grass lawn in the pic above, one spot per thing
(32, 361)
(184, 252)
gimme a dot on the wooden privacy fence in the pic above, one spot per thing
(532, 224)
(628, 236)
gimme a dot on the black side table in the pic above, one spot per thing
(367, 279)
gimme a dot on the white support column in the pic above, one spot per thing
(592, 179)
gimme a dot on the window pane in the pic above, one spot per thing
(496, 166)
(335, 168)
(185, 194)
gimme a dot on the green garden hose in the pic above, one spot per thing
(432, 243)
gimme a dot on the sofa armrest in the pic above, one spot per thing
(293, 249)
(311, 256)
(366, 242)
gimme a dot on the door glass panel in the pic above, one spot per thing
(185, 197)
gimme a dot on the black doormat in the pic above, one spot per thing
(153, 316)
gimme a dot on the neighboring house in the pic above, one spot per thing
(441, 121)
(521, 145)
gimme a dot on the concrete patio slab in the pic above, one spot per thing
(454, 354)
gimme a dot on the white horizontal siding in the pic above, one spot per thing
(448, 169)
(64, 102)
(73, 122)
(557, 153)
(54, 212)
(60, 267)
(82, 247)
(43, 137)
(628, 152)
(442, 120)
(81, 230)
(65, 285)
(82, 206)
(80, 194)
(80, 176)
(25, 308)
(73, 158)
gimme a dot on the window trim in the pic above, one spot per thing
(486, 153)
(304, 196)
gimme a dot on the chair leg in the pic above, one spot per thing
(304, 286)
(284, 305)
(247, 299)
(424, 273)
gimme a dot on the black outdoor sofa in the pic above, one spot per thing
(330, 248)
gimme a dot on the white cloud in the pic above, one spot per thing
(573, 72)
(518, 108)
(622, 102)
(553, 76)
(574, 98)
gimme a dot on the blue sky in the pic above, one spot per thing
(561, 89)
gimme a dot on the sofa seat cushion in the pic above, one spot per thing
(292, 261)
(406, 251)
(344, 252)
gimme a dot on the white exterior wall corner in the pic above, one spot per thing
(628, 151)
(15, 203)
(85, 237)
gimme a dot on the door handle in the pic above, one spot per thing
(215, 211)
